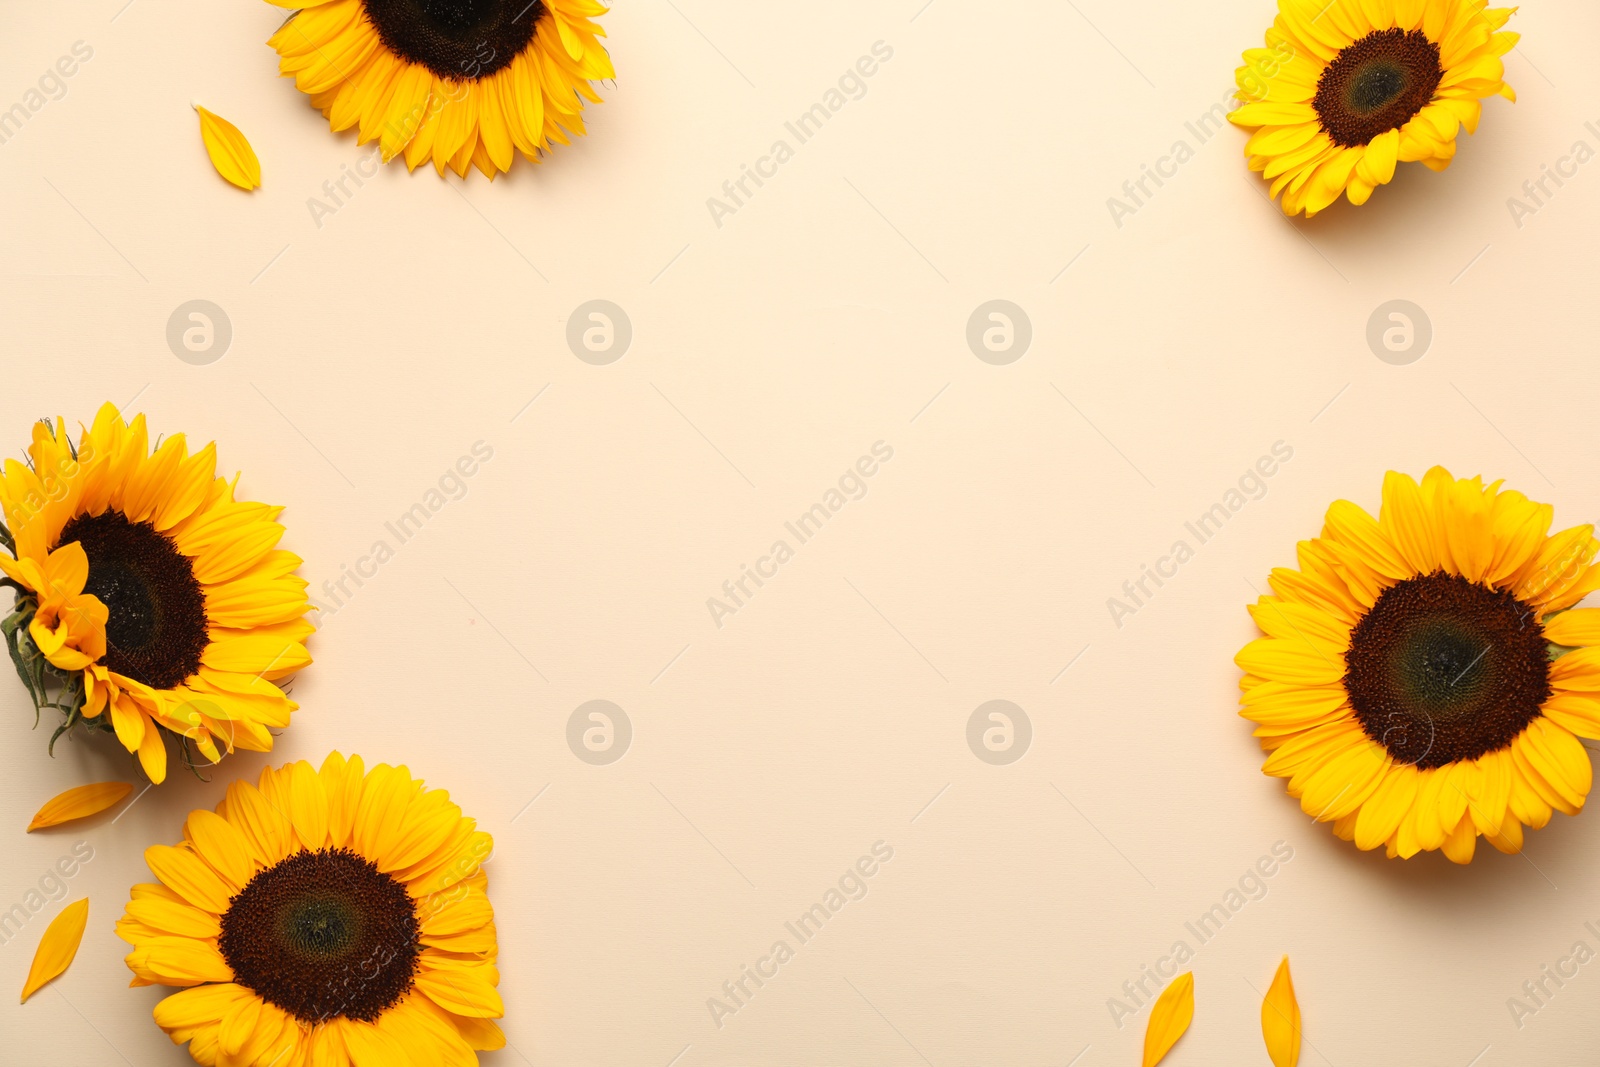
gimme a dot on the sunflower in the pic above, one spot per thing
(461, 82)
(1345, 89)
(149, 601)
(1424, 677)
(324, 918)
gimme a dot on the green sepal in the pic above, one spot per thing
(24, 653)
(37, 673)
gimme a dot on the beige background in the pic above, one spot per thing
(769, 353)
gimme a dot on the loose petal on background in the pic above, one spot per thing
(79, 803)
(1171, 1016)
(230, 153)
(58, 946)
(1280, 1019)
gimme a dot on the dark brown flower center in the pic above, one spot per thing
(459, 40)
(1377, 84)
(323, 935)
(1442, 669)
(156, 630)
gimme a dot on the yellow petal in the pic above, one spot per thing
(1461, 843)
(1381, 814)
(179, 961)
(58, 946)
(1280, 1019)
(268, 651)
(1578, 712)
(1509, 839)
(1408, 523)
(172, 917)
(481, 1034)
(1380, 157)
(341, 782)
(1577, 671)
(221, 845)
(266, 829)
(369, 1045)
(238, 1024)
(470, 993)
(457, 913)
(1294, 662)
(230, 153)
(80, 803)
(153, 754)
(1577, 628)
(1272, 113)
(198, 1006)
(1352, 527)
(308, 805)
(1560, 759)
(385, 799)
(1301, 623)
(415, 1027)
(1171, 1016)
(190, 877)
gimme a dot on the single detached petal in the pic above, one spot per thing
(79, 803)
(1171, 1016)
(1280, 1019)
(58, 946)
(230, 153)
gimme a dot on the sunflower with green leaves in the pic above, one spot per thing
(151, 603)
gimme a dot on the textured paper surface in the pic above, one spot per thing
(373, 342)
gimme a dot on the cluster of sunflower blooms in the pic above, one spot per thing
(1342, 91)
(1423, 678)
(322, 916)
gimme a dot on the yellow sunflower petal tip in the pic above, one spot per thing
(1280, 1019)
(229, 150)
(58, 946)
(1169, 1019)
(80, 803)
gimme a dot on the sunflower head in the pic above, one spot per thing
(1345, 89)
(461, 82)
(150, 602)
(336, 916)
(1425, 676)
